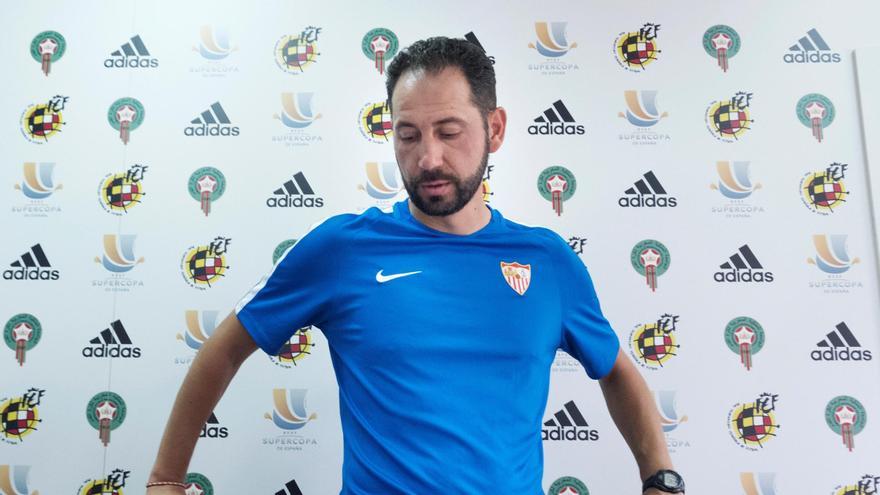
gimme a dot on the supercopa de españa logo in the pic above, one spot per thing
(120, 192)
(20, 416)
(722, 43)
(832, 258)
(729, 120)
(551, 42)
(41, 121)
(198, 484)
(736, 185)
(650, 259)
(374, 121)
(38, 185)
(846, 416)
(118, 259)
(379, 45)
(22, 333)
(557, 184)
(824, 191)
(636, 50)
(652, 345)
(126, 115)
(106, 412)
(111, 485)
(289, 415)
(297, 115)
(203, 266)
(568, 485)
(297, 348)
(642, 114)
(867, 485)
(816, 112)
(670, 419)
(14, 479)
(200, 325)
(47, 48)
(744, 336)
(383, 183)
(206, 185)
(753, 424)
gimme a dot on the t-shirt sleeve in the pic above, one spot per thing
(586, 334)
(296, 293)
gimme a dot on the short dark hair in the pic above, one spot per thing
(435, 54)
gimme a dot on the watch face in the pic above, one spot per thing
(671, 480)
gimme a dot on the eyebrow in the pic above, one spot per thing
(447, 120)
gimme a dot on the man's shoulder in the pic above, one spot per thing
(343, 226)
(536, 233)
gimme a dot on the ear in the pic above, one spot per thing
(497, 125)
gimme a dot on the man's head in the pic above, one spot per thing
(442, 96)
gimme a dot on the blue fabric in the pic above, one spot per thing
(443, 374)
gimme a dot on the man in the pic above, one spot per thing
(443, 318)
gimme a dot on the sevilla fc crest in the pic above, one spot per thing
(517, 276)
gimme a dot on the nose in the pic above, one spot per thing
(430, 153)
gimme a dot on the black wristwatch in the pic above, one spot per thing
(665, 480)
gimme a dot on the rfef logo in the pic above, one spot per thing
(20, 416)
(111, 485)
(728, 120)
(41, 121)
(568, 424)
(743, 267)
(294, 53)
(636, 50)
(375, 122)
(119, 193)
(297, 347)
(753, 424)
(32, 265)
(202, 266)
(652, 345)
(824, 191)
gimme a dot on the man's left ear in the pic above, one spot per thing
(497, 125)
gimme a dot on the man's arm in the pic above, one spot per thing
(633, 411)
(213, 368)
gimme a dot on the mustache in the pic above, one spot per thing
(434, 175)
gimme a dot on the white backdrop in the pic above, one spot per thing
(797, 310)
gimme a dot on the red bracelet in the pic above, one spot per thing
(166, 483)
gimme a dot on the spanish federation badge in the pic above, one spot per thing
(518, 276)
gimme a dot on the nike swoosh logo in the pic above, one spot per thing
(385, 278)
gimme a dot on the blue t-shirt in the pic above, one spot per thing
(442, 344)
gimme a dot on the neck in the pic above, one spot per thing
(473, 217)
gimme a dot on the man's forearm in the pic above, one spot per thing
(633, 410)
(210, 373)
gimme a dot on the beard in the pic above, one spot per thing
(463, 189)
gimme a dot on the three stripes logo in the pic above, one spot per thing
(32, 265)
(212, 428)
(556, 121)
(811, 49)
(112, 342)
(212, 122)
(568, 424)
(290, 488)
(840, 345)
(647, 192)
(132, 53)
(743, 266)
(295, 193)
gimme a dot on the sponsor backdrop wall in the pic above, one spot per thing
(705, 162)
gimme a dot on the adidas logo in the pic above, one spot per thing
(112, 342)
(840, 345)
(290, 488)
(211, 428)
(743, 267)
(647, 192)
(568, 424)
(295, 193)
(132, 54)
(473, 39)
(811, 49)
(556, 121)
(33, 265)
(212, 122)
